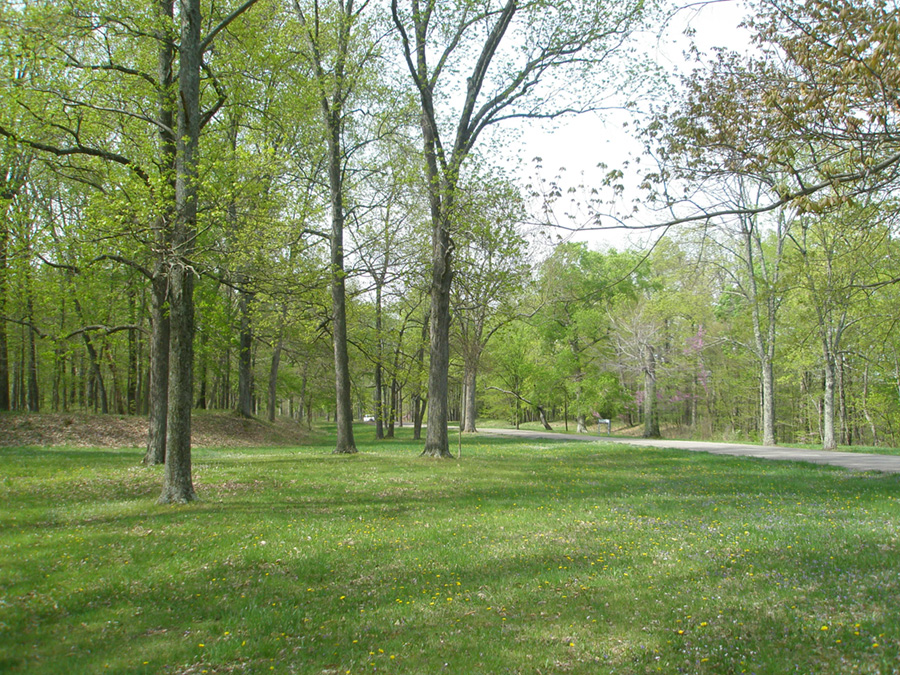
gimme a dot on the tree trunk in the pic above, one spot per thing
(159, 371)
(843, 384)
(419, 406)
(392, 408)
(4, 348)
(245, 364)
(273, 370)
(651, 414)
(34, 399)
(829, 442)
(437, 440)
(768, 402)
(378, 396)
(543, 417)
(158, 388)
(132, 375)
(178, 486)
(345, 443)
(469, 377)
(581, 423)
(865, 405)
(764, 340)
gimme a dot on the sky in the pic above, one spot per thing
(579, 143)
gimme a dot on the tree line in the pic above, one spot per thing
(289, 208)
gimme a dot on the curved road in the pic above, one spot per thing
(848, 460)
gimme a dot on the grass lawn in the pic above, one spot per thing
(522, 558)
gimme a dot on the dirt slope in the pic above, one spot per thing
(210, 429)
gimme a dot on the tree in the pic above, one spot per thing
(813, 105)
(840, 258)
(573, 40)
(492, 270)
(580, 288)
(385, 237)
(749, 251)
(14, 165)
(341, 59)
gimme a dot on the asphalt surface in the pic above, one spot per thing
(847, 460)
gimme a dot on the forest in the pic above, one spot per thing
(301, 208)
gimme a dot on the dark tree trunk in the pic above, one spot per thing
(273, 369)
(437, 440)
(159, 371)
(392, 409)
(419, 406)
(158, 386)
(132, 376)
(34, 399)
(345, 443)
(245, 362)
(178, 486)
(378, 402)
(379, 359)
(543, 416)
(4, 348)
(417, 401)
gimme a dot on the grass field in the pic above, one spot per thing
(520, 558)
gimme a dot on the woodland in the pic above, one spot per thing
(298, 208)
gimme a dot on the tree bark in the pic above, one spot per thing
(245, 363)
(543, 417)
(829, 441)
(34, 399)
(651, 414)
(4, 348)
(159, 371)
(178, 486)
(764, 340)
(273, 370)
(469, 403)
(437, 440)
(345, 443)
(378, 397)
(158, 389)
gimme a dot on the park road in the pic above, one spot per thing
(856, 461)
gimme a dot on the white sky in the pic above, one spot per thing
(580, 143)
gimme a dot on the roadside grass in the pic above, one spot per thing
(523, 557)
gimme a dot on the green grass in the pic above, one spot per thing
(522, 558)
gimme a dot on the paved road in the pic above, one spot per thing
(849, 460)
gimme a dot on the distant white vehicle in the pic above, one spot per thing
(368, 418)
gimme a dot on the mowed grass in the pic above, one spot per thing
(520, 558)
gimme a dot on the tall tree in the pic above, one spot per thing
(466, 44)
(493, 269)
(178, 484)
(341, 56)
(841, 259)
